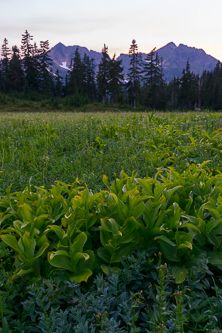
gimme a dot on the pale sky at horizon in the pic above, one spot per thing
(153, 23)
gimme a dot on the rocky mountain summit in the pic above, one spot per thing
(174, 59)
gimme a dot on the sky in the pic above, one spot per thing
(91, 23)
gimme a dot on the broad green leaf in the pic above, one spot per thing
(40, 220)
(106, 269)
(190, 226)
(128, 231)
(168, 251)
(214, 213)
(60, 259)
(60, 233)
(26, 212)
(2, 219)
(105, 236)
(180, 273)
(122, 210)
(71, 229)
(185, 245)
(85, 198)
(11, 241)
(78, 244)
(28, 244)
(215, 258)
(170, 192)
(42, 250)
(109, 225)
(214, 239)
(104, 254)
(138, 210)
(192, 219)
(147, 184)
(188, 206)
(165, 239)
(105, 180)
(212, 225)
(114, 197)
(82, 276)
(122, 251)
(89, 263)
(56, 190)
(21, 272)
(114, 226)
(78, 256)
(93, 198)
(176, 216)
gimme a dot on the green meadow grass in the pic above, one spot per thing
(62, 146)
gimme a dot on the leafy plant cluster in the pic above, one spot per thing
(69, 228)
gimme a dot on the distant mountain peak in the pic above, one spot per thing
(172, 45)
(174, 59)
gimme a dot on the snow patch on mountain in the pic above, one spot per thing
(64, 66)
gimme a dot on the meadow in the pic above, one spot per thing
(110, 222)
(62, 146)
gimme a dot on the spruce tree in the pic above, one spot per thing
(76, 74)
(16, 74)
(103, 74)
(5, 65)
(89, 87)
(154, 87)
(216, 87)
(45, 62)
(134, 72)
(58, 84)
(188, 88)
(30, 62)
(116, 78)
(1, 79)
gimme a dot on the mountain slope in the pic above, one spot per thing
(174, 59)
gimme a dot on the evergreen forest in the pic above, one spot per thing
(27, 74)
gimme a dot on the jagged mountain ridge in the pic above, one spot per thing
(174, 59)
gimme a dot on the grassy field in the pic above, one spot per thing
(62, 146)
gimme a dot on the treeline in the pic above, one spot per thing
(28, 73)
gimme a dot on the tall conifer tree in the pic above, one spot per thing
(44, 67)
(58, 84)
(116, 78)
(5, 65)
(89, 87)
(134, 71)
(30, 62)
(76, 73)
(16, 74)
(103, 74)
(188, 88)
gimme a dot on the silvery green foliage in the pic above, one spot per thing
(125, 302)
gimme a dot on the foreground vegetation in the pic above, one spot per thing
(105, 250)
